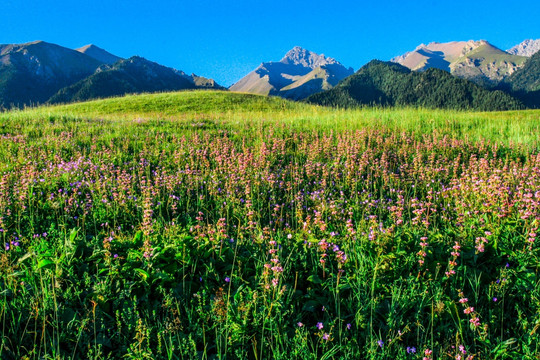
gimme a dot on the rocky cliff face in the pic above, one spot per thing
(526, 48)
(306, 58)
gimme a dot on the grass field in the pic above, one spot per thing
(214, 225)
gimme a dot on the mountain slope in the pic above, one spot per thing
(391, 84)
(486, 64)
(299, 74)
(526, 48)
(133, 75)
(30, 73)
(437, 55)
(528, 77)
(478, 61)
(525, 83)
(99, 54)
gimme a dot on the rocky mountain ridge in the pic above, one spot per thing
(297, 75)
(526, 48)
(475, 60)
(306, 58)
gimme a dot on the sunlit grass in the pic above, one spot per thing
(242, 111)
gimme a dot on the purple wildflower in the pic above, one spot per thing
(411, 350)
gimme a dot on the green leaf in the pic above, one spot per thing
(238, 294)
(45, 263)
(73, 235)
(138, 237)
(144, 275)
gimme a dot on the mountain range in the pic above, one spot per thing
(391, 84)
(476, 71)
(31, 73)
(40, 72)
(478, 61)
(299, 74)
(133, 75)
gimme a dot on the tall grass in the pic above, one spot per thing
(214, 225)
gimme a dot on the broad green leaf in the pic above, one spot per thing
(138, 237)
(45, 263)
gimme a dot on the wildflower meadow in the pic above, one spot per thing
(254, 228)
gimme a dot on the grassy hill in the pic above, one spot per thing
(177, 103)
(243, 112)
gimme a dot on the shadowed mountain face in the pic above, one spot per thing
(525, 82)
(390, 84)
(31, 73)
(435, 59)
(133, 75)
(280, 74)
(299, 74)
(478, 61)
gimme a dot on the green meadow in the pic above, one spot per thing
(217, 225)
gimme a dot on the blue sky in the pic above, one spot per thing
(225, 40)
